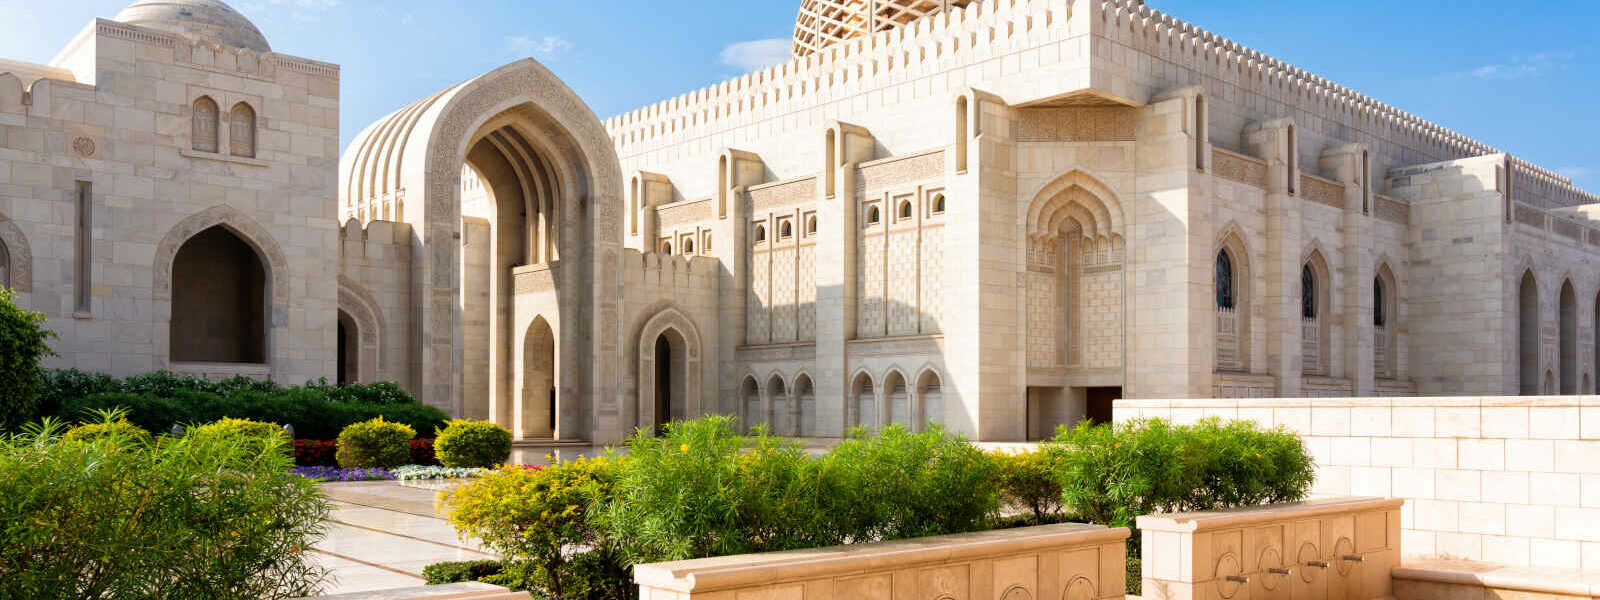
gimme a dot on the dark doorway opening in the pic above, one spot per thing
(1098, 403)
(664, 383)
(342, 375)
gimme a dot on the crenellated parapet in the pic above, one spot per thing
(378, 242)
(672, 271)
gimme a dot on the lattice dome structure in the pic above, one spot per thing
(822, 23)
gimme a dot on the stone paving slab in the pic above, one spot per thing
(383, 534)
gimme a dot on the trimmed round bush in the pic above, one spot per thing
(109, 430)
(375, 444)
(258, 432)
(467, 443)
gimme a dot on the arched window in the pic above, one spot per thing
(1567, 335)
(707, 245)
(872, 216)
(905, 210)
(1528, 336)
(1225, 297)
(761, 233)
(811, 225)
(242, 131)
(1377, 302)
(5, 265)
(938, 204)
(1308, 293)
(218, 300)
(688, 245)
(203, 125)
(785, 230)
(666, 247)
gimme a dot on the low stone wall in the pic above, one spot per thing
(1333, 549)
(1067, 561)
(1506, 480)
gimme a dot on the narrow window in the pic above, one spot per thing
(688, 245)
(82, 290)
(938, 204)
(1308, 293)
(1377, 302)
(872, 216)
(722, 187)
(1224, 280)
(905, 210)
(666, 247)
(785, 230)
(203, 125)
(761, 233)
(828, 166)
(634, 214)
(961, 135)
(707, 244)
(242, 131)
(1366, 182)
(811, 225)
(1200, 133)
(1294, 163)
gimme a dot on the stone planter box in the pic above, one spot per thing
(1067, 561)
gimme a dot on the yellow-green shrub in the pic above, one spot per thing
(113, 425)
(374, 444)
(533, 514)
(468, 443)
(1027, 482)
(258, 432)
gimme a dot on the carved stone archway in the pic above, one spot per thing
(21, 267)
(368, 319)
(273, 260)
(668, 320)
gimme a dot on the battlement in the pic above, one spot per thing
(1544, 188)
(376, 239)
(677, 270)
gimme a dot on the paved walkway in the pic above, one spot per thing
(383, 534)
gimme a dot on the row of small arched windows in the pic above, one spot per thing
(206, 127)
(1227, 299)
(904, 211)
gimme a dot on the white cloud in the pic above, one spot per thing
(1532, 65)
(538, 47)
(755, 55)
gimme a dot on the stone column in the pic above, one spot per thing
(844, 146)
(1279, 296)
(1347, 164)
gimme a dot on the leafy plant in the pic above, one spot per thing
(413, 472)
(536, 514)
(113, 426)
(376, 443)
(1027, 482)
(23, 341)
(320, 474)
(441, 573)
(899, 484)
(267, 435)
(468, 443)
(196, 517)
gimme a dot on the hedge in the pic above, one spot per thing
(157, 401)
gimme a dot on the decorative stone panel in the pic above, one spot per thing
(677, 214)
(1391, 210)
(1238, 167)
(900, 170)
(1322, 191)
(1068, 561)
(1080, 124)
(783, 194)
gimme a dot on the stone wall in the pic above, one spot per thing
(1507, 480)
(1070, 561)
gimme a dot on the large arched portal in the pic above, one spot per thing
(552, 189)
(219, 300)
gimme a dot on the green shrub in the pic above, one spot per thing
(376, 443)
(1027, 482)
(898, 484)
(701, 489)
(267, 435)
(112, 426)
(467, 443)
(535, 515)
(196, 517)
(593, 575)
(157, 401)
(460, 571)
(1111, 474)
(23, 341)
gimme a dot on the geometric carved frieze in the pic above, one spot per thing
(789, 193)
(681, 213)
(1322, 191)
(905, 170)
(1235, 167)
(1391, 210)
(1099, 124)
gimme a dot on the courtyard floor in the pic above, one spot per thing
(382, 534)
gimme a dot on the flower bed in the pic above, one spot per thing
(326, 473)
(415, 472)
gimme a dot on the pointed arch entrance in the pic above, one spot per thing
(536, 410)
(668, 370)
(554, 187)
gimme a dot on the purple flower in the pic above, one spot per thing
(338, 474)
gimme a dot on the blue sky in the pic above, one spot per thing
(1522, 76)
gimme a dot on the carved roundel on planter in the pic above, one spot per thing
(1342, 548)
(1270, 559)
(1302, 558)
(1228, 566)
(1080, 588)
(1016, 592)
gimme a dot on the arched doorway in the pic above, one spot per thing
(806, 397)
(780, 420)
(865, 402)
(536, 410)
(1074, 237)
(667, 370)
(930, 395)
(552, 182)
(1569, 339)
(671, 393)
(348, 367)
(750, 403)
(219, 300)
(1528, 336)
(896, 400)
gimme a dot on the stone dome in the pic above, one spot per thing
(196, 19)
